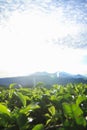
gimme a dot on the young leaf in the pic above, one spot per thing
(81, 99)
(11, 91)
(81, 121)
(48, 121)
(28, 108)
(67, 110)
(12, 85)
(22, 98)
(52, 110)
(38, 127)
(4, 109)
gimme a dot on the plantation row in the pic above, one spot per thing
(41, 108)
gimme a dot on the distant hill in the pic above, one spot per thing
(48, 78)
(68, 75)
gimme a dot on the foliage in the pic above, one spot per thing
(40, 108)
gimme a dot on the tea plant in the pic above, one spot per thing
(41, 108)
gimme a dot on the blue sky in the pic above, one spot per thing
(47, 35)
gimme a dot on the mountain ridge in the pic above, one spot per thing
(48, 78)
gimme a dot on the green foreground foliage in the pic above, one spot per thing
(41, 108)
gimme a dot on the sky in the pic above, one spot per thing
(47, 35)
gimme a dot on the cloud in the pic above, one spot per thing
(34, 31)
(73, 10)
(70, 15)
(77, 41)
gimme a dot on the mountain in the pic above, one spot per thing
(48, 78)
(68, 75)
(64, 74)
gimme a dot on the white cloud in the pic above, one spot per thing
(26, 43)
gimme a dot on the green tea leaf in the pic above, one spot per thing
(52, 110)
(47, 115)
(72, 110)
(38, 127)
(22, 97)
(11, 91)
(48, 121)
(81, 99)
(28, 108)
(81, 121)
(22, 121)
(11, 86)
(4, 109)
(76, 110)
(67, 110)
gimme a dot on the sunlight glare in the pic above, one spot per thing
(25, 41)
